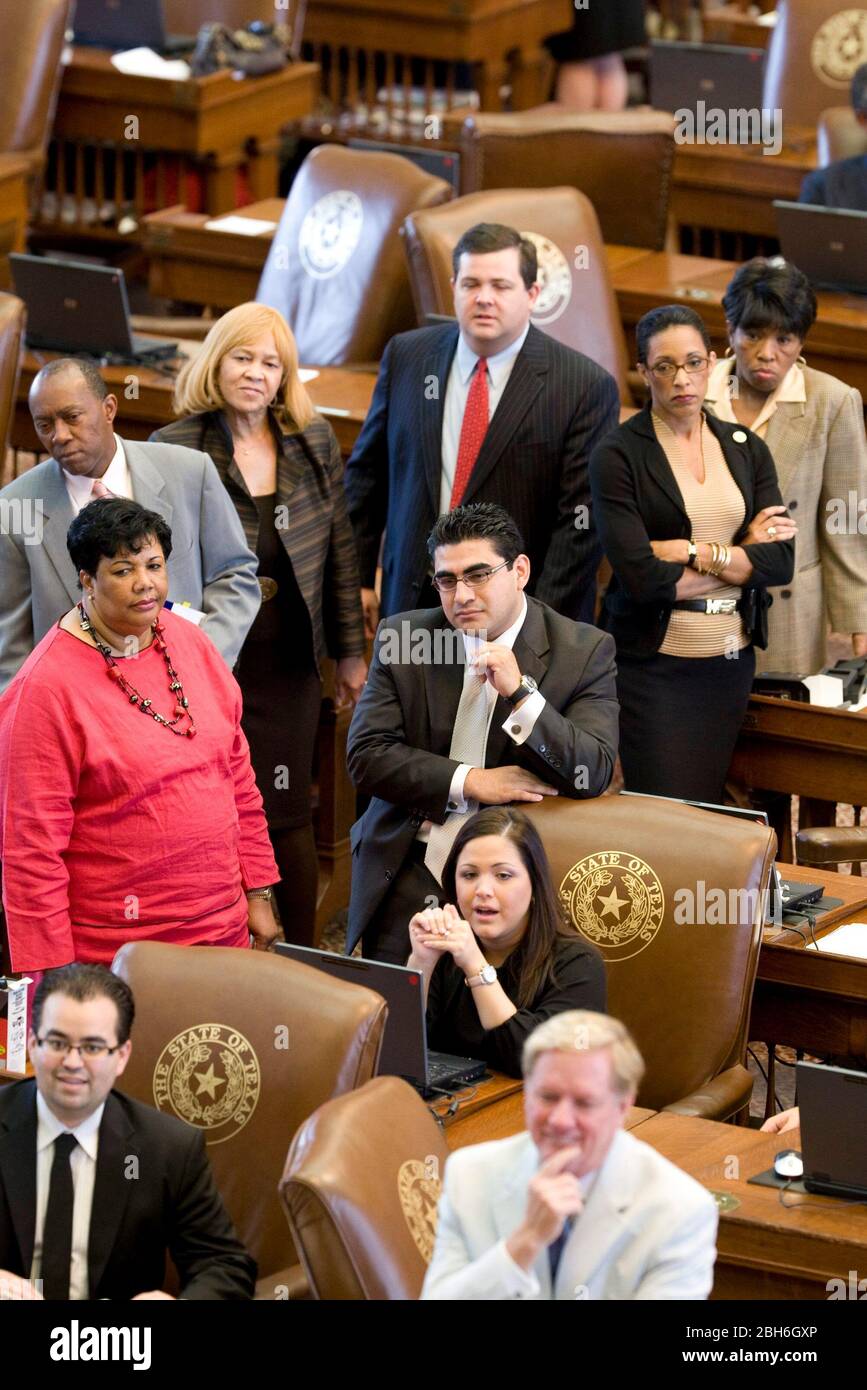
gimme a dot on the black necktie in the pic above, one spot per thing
(556, 1248)
(57, 1231)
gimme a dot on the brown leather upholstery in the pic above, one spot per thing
(827, 846)
(33, 36)
(280, 1038)
(12, 318)
(841, 135)
(679, 976)
(812, 56)
(338, 274)
(577, 305)
(603, 154)
(360, 1191)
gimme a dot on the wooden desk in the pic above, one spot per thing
(730, 24)
(214, 125)
(765, 1250)
(371, 90)
(787, 747)
(14, 182)
(837, 342)
(731, 188)
(807, 1000)
(187, 261)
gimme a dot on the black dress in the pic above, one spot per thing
(279, 682)
(453, 1020)
(605, 26)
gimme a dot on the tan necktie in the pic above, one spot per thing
(469, 736)
(99, 489)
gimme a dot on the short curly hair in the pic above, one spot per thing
(111, 526)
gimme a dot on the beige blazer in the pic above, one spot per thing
(819, 448)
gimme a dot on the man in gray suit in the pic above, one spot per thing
(211, 568)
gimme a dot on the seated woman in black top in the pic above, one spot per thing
(503, 960)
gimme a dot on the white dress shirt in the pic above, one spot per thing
(116, 478)
(518, 725)
(458, 388)
(82, 1161)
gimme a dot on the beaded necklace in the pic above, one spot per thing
(114, 672)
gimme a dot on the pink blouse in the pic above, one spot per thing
(113, 829)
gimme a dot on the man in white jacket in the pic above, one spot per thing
(576, 1207)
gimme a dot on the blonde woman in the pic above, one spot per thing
(241, 401)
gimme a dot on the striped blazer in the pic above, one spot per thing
(317, 534)
(556, 406)
(819, 449)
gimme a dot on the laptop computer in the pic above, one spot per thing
(833, 1103)
(76, 307)
(122, 24)
(725, 76)
(404, 1045)
(828, 244)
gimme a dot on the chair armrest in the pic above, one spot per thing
(171, 328)
(288, 1284)
(720, 1099)
(832, 844)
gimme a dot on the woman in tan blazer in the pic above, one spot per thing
(813, 425)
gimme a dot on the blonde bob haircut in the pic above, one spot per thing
(197, 388)
(581, 1030)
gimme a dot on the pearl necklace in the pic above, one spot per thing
(135, 697)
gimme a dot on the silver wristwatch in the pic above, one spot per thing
(486, 976)
(527, 687)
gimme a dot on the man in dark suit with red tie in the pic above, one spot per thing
(486, 410)
(96, 1188)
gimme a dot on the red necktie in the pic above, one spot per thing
(473, 431)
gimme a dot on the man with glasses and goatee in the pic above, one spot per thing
(96, 1188)
(492, 698)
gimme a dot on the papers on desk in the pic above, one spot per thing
(307, 374)
(826, 691)
(849, 940)
(769, 19)
(143, 62)
(240, 226)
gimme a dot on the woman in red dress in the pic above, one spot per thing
(128, 806)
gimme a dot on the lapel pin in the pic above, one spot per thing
(739, 437)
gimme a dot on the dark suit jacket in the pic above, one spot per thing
(636, 500)
(317, 536)
(842, 184)
(401, 733)
(556, 406)
(170, 1206)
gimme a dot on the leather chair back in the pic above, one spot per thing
(577, 304)
(336, 269)
(674, 899)
(600, 153)
(360, 1191)
(12, 319)
(245, 1045)
(34, 33)
(815, 47)
(841, 135)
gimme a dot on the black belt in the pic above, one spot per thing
(707, 605)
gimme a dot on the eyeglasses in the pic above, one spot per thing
(666, 371)
(476, 578)
(59, 1047)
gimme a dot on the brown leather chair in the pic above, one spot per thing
(272, 1040)
(577, 304)
(841, 135)
(360, 1191)
(641, 879)
(814, 50)
(336, 269)
(602, 154)
(12, 319)
(827, 847)
(33, 42)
